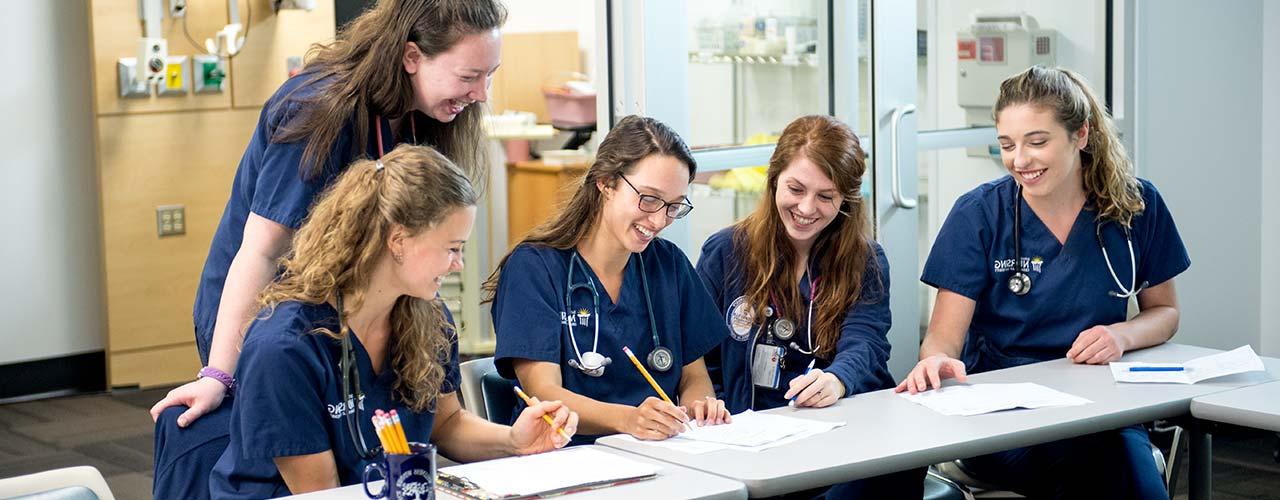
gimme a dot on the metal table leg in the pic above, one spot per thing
(1200, 484)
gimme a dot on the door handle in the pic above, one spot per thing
(895, 170)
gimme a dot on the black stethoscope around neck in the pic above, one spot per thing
(1020, 282)
(592, 362)
(351, 387)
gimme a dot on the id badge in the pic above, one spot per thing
(765, 365)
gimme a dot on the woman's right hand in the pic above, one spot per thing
(932, 370)
(655, 420)
(201, 396)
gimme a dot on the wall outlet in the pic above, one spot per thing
(171, 220)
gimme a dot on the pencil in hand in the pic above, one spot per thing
(528, 401)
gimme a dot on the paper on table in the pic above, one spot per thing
(696, 442)
(977, 399)
(1239, 360)
(552, 471)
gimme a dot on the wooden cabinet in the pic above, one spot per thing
(535, 191)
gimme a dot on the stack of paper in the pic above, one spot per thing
(1239, 360)
(544, 473)
(985, 398)
(750, 431)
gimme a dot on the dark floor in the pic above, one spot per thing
(113, 433)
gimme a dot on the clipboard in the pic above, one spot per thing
(541, 476)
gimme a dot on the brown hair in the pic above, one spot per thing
(634, 138)
(769, 258)
(336, 249)
(1109, 181)
(366, 75)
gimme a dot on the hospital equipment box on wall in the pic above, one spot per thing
(995, 47)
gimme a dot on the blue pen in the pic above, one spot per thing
(1156, 368)
(806, 372)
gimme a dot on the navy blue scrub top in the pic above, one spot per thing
(862, 352)
(289, 402)
(530, 316)
(973, 256)
(269, 182)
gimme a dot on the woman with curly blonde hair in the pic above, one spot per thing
(1042, 264)
(363, 275)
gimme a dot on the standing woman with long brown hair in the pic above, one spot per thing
(595, 278)
(410, 71)
(1042, 264)
(804, 290)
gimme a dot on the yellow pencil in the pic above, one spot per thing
(530, 402)
(381, 429)
(398, 430)
(648, 377)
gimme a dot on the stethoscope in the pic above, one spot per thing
(784, 328)
(351, 384)
(1020, 283)
(592, 362)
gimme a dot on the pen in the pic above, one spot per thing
(648, 377)
(806, 372)
(1156, 368)
(529, 402)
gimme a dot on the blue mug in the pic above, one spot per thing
(408, 477)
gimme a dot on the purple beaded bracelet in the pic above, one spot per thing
(218, 375)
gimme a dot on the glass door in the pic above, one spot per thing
(729, 75)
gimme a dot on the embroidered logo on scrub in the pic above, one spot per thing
(740, 319)
(583, 318)
(1029, 265)
(340, 410)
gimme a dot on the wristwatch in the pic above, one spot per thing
(218, 375)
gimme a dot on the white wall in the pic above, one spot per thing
(1270, 272)
(1199, 137)
(51, 284)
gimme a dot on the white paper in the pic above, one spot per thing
(550, 471)
(977, 399)
(750, 431)
(1239, 360)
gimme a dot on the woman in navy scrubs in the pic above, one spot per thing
(596, 278)
(366, 266)
(404, 71)
(1041, 265)
(804, 290)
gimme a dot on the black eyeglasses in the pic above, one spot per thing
(652, 204)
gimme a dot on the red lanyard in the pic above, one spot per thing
(413, 129)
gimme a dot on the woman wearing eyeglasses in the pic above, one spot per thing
(361, 282)
(595, 278)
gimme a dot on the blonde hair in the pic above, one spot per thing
(1108, 175)
(340, 243)
(634, 138)
(768, 256)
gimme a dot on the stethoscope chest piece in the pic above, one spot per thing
(1020, 283)
(593, 363)
(661, 359)
(784, 328)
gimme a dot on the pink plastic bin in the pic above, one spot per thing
(567, 108)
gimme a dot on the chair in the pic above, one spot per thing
(499, 398)
(72, 483)
(472, 397)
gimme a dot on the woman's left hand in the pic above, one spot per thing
(1096, 346)
(708, 411)
(531, 434)
(817, 389)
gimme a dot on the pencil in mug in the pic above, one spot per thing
(529, 402)
(652, 382)
(380, 427)
(398, 431)
(393, 434)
